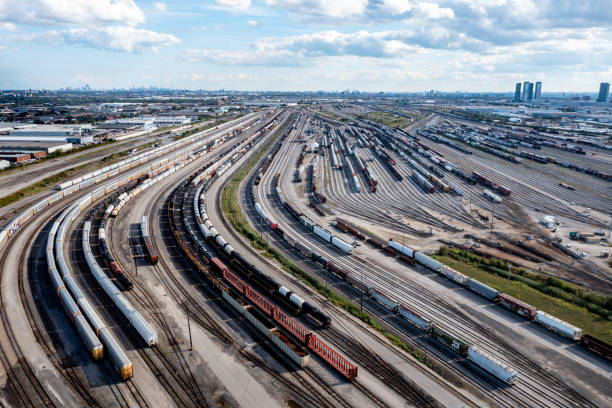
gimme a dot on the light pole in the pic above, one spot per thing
(361, 289)
(189, 329)
(492, 218)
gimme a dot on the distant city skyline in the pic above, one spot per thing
(295, 45)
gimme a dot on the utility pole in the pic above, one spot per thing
(361, 289)
(492, 218)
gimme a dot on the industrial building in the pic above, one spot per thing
(15, 157)
(150, 122)
(18, 133)
(33, 146)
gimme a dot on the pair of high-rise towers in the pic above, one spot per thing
(528, 92)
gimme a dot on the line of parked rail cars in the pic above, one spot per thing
(96, 337)
(506, 301)
(504, 145)
(110, 259)
(94, 334)
(13, 226)
(305, 336)
(306, 222)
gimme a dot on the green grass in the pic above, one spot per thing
(386, 119)
(38, 186)
(569, 312)
(233, 212)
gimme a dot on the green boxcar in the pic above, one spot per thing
(450, 341)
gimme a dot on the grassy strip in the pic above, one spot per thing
(234, 214)
(549, 285)
(579, 316)
(386, 119)
(38, 186)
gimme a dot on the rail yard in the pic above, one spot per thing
(318, 255)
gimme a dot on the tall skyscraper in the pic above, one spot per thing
(525, 86)
(517, 92)
(529, 92)
(604, 92)
(538, 91)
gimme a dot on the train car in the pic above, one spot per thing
(449, 340)
(401, 248)
(503, 190)
(427, 261)
(558, 326)
(150, 249)
(482, 289)
(596, 345)
(517, 306)
(383, 299)
(414, 318)
(492, 365)
(454, 275)
(337, 270)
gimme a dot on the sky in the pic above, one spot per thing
(307, 45)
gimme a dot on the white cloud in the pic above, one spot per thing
(8, 26)
(87, 12)
(335, 9)
(160, 7)
(195, 76)
(205, 28)
(113, 38)
(235, 5)
(254, 23)
(244, 58)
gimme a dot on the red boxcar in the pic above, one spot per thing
(517, 306)
(596, 345)
(340, 272)
(504, 190)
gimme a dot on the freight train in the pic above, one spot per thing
(442, 335)
(264, 281)
(485, 181)
(112, 264)
(506, 301)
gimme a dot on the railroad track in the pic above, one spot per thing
(299, 378)
(37, 271)
(26, 385)
(202, 317)
(554, 392)
(355, 351)
(365, 357)
(175, 377)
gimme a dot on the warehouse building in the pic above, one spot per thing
(15, 157)
(31, 146)
(43, 131)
